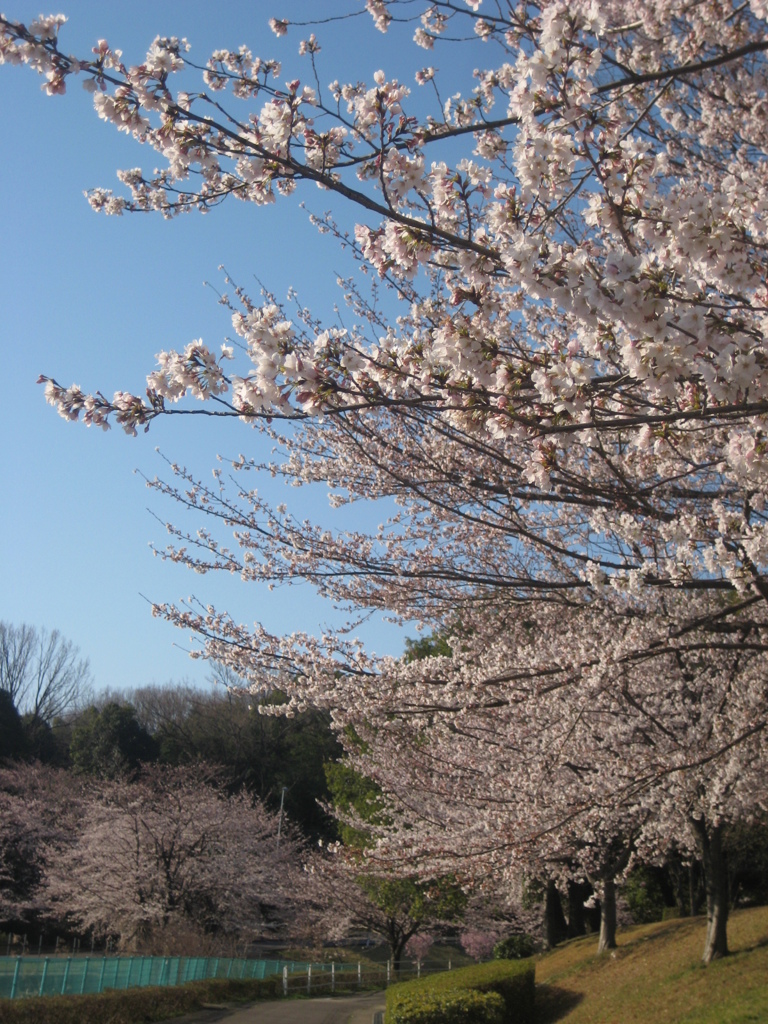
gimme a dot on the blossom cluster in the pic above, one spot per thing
(586, 285)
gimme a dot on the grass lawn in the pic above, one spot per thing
(656, 976)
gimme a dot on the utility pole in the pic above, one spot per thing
(280, 819)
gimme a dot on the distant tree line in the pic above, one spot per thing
(275, 758)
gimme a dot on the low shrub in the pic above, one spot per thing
(124, 1007)
(475, 995)
(237, 990)
(135, 1005)
(449, 1007)
(515, 947)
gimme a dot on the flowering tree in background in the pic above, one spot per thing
(568, 406)
(477, 944)
(171, 849)
(40, 809)
(372, 894)
(418, 947)
(351, 895)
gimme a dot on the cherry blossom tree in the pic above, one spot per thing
(418, 947)
(39, 811)
(478, 944)
(534, 748)
(374, 895)
(172, 849)
(350, 895)
(582, 288)
(567, 406)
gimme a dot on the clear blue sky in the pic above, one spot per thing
(90, 299)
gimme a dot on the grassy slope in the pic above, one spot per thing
(656, 977)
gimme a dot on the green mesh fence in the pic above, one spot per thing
(25, 976)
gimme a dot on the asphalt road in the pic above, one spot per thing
(323, 1010)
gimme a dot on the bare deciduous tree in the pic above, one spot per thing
(41, 671)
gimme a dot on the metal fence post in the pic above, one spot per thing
(389, 971)
(15, 976)
(64, 980)
(85, 974)
(285, 981)
(309, 978)
(68, 965)
(333, 977)
(42, 978)
(359, 975)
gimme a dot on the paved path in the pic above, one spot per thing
(323, 1010)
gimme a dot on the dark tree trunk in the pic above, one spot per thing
(577, 918)
(397, 948)
(555, 925)
(607, 917)
(696, 890)
(716, 886)
(681, 885)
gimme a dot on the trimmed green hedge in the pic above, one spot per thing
(458, 1007)
(136, 1005)
(500, 992)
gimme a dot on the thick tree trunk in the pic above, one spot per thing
(397, 948)
(555, 925)
(716, 886)
(577, 918)
(607, 917)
